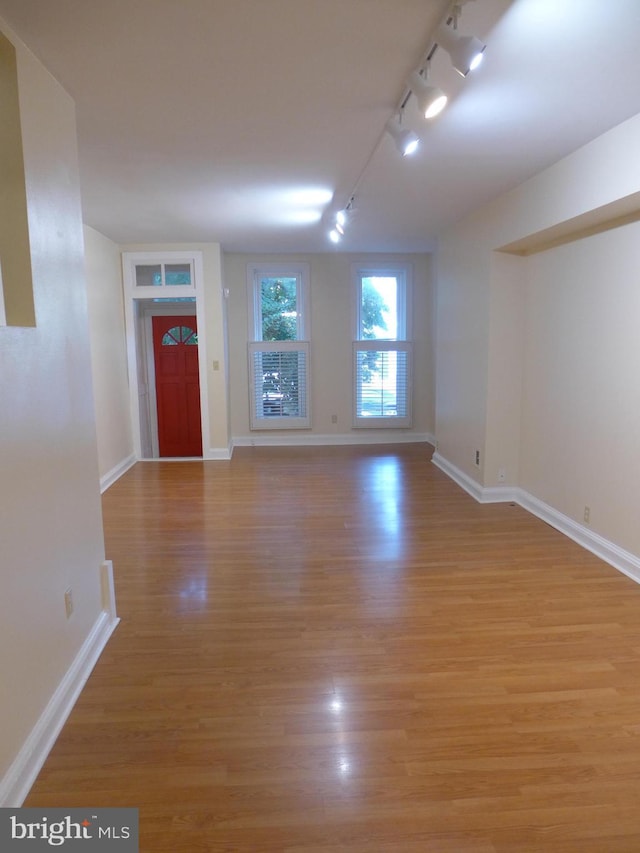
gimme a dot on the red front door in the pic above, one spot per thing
(175, 347)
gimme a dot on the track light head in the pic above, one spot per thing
(431, 100)
(465, 51)
(406, 140)
(340, 221)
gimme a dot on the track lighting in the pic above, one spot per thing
(465, 51)
(340, 222)
(342, 217)
(431, 100)
(406, 140)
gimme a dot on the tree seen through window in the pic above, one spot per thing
(278, 298)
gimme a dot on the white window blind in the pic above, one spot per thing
(279, 374)
(382, 383)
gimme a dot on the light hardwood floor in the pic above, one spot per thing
(337, 649)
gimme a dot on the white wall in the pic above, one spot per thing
(50, 516)
(536, 355)
(462, 336)
(501, 462)
(581, 412)
(108, 351)
(331, 348)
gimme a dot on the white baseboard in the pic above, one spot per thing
(108, 591)
(495, 495)
(622, 560)
(213, 453)
(332, 439)
(18, 780)
(116, 472)
(297, 439)
(220, 453)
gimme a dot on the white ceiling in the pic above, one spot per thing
(238, 121)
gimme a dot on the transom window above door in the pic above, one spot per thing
(164, 275)
(160, 275)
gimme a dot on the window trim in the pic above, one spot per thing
(403, 272)
(273, 270)
(261, 421)
(255, 272)
(388, 421)
(404, 275)
(131, 260)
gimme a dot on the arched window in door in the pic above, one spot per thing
(180, 335)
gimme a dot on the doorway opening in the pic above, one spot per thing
(168, 379)
(164, 311)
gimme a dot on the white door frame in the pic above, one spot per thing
(148, 311)
(139, 308)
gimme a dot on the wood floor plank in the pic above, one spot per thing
(327, 649)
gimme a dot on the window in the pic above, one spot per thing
(382, 348)
(180, 335)
(164, 275)
(279, 346)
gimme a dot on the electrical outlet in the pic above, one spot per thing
(334, 419)
(587, 514)
(478, 458)
(502, 475)
(68, 602)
